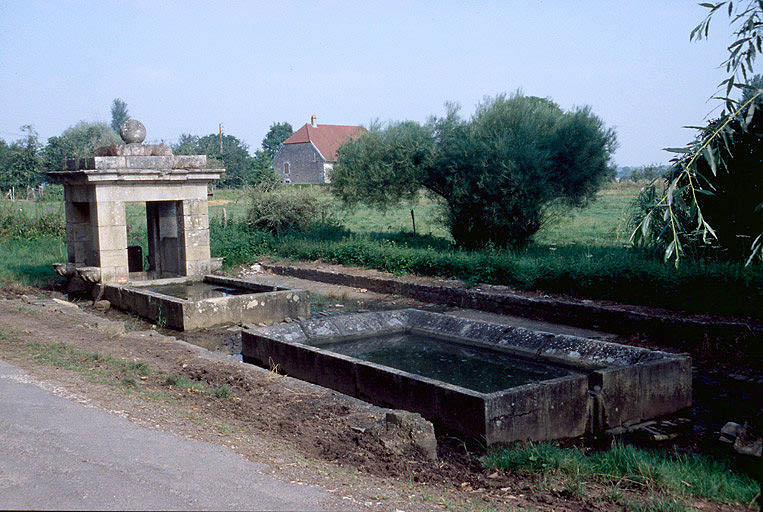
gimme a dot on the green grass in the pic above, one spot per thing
(29, 261)
(98, 367)
(657, 503)
(677, 474)
(222, 391)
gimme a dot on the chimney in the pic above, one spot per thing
(314, 121)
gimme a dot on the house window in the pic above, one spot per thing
(286, 169)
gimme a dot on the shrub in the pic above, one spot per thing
(283, 208)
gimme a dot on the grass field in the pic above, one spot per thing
(598, 225)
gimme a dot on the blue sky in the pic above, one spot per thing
(184, 67)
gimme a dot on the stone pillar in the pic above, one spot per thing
(79, 221)
(110, 230)
(78, 233)
(193, 235)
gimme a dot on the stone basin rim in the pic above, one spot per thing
(572, 373)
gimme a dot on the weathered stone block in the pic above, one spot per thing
(78, 194)
(192, 222)
(196, 206)
(197, 253)
(112, 238)
(149, 162)
(195, 237)
(190, 162)
(110, 213)
(110, 162)
(113, 258)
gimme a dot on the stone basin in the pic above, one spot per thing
(187, 303)
(567, 385)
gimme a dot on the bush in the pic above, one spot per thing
(283, 208)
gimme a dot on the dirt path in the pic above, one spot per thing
(303, 433)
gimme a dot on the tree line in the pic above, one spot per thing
(24, 162)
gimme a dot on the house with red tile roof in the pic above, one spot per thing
(309, 155)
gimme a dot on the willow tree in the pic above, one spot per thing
(499, 173)
(711, 199)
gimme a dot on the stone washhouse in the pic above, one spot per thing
(174, 189)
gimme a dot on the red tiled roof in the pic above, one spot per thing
(326, 137)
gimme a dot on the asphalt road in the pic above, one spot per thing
(59, 454)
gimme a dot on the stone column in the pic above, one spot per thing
(110, 230)
(193, 235)
(78, 242)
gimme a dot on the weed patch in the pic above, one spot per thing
(97, 367)
(627, 466)
(222, 391)
(31, 220)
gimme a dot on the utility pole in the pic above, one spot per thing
(221, 139)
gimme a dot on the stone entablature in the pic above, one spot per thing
(174, 188)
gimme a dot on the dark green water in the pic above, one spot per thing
(472, 368)
(197, 290)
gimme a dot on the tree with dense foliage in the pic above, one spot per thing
(240, 168)
(278, 133)
(499, 174)
(119, 114)
(262, 172)
(713, 203)
(77, 141)
(5, 158)
(22, 169)
(712, 197)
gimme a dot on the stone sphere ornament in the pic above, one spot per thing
(132, 131)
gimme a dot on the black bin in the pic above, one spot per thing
(134, 258)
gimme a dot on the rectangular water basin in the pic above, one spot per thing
(475, 368)
(494, 382)
(183, 303)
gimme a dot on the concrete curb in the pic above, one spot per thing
(676, 327)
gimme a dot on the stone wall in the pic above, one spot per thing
(305, 163)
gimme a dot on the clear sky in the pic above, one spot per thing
(184, 67)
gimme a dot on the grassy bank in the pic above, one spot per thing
(611, 273)
(672, 478)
